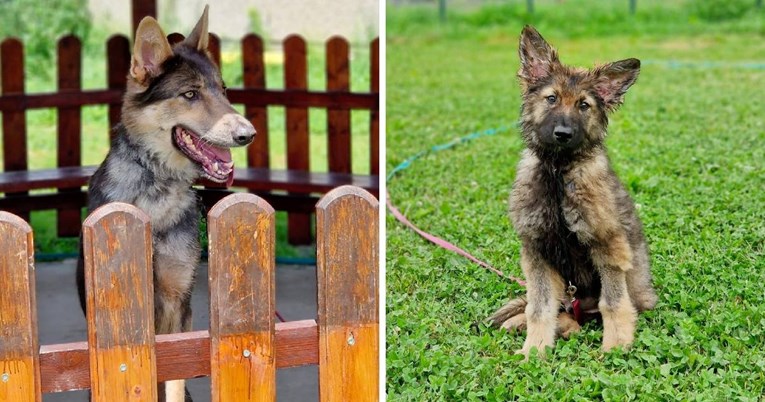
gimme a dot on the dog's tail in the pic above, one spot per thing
(511, 309)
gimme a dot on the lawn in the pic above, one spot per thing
(688, 144)
(41, 124)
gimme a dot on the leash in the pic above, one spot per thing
(433, 238)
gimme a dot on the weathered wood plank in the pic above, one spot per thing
(296, 98)
(338, 120)
(117, 66)
(347, 269)
(254, 76)
(14, 122)
(184, 355)
(69, 126)
(374, 121)
(242, 298)
(120, 303)
(143, 8)
(296, 77)
(19, 362)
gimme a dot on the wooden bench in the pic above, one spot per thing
(294, 189)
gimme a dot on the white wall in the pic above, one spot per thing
(316, 20)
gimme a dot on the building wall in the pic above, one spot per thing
(316, 20)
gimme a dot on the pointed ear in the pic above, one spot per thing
(150, 50)
(537, 57)
(614, 79)
(198, 38)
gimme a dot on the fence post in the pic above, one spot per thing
(442, 10)
(242, 299)
(530, 6)
(117, 65)
(19, 360)
(120, 304)
(347, 268)
(69, 127)
(254, 76)
(633, 7)
(338, 120)
(296, 125)
(374, 120)
(14, 122)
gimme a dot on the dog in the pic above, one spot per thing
(582, 244)
(176, 127)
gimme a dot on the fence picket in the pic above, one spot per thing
(120, 304)
(14, 122)
(213, 46)
(296, 125)
(374, 120)
(338, 120)
(242, 299)
(19, 361)
(347, 271)
(69, 123)
(254, 76)
(117, 65)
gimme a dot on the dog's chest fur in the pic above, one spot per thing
(548, 220)
(133, 175)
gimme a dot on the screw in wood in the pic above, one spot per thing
(351, 339)
(246, 353)
(123, 367)
(6, 377)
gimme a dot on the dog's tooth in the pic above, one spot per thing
(215, 167)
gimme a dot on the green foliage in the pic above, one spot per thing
(256, 23)
(688, 147)
(720, 10)
(39, 24)
(582, 18)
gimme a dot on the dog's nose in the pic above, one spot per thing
(244, 134)
(563, 133)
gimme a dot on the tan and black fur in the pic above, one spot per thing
(176, 127)
(576, 222)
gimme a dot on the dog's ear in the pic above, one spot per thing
(614, 79)
(150, 50)
(198, 38)
(537, 57)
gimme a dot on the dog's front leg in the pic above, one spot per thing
(544, 289)
(619, 314)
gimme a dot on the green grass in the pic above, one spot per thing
(41, 124)
(688, 144)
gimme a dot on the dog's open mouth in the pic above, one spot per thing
(215, 161)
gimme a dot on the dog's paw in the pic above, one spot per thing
(616, 338)
(567, 325)
(515, 324)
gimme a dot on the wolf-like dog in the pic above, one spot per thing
(581, 239)
(176, 127)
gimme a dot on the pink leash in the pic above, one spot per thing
(445, 244)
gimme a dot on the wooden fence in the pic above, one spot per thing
(291, 189)
(123, 359)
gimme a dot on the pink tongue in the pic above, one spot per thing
(221, 154)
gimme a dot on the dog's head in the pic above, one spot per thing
(565, 110)
(176, 103)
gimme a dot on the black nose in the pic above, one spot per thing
(563, 133)
(245, 137)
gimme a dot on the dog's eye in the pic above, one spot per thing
(584, 106)
(190, 95)
(551, 99)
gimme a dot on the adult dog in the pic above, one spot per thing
(177, 126)
(583, 246)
